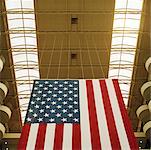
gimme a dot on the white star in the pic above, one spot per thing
(60, 85)
(70, 98)
(66, 82)
(48, 99)
(41, 110)
(43, 102)
(47, 106)
(59, 92)
(46, 82)
(38, 98)
(75, 95)
(53, 103)
(30, 110)
(65, 88)
(64, 110)
(52, 111)
(46, 115)
(56, 82)
(51, 119)
(50, 85)
(70, 92)
(75, 102)
(59, 99)
(32, 102)
(44, 95)
(70, 106)
(35, 88)
(75, 110)
(75, 82)
(28, 119)
(40, 119)
(40, 85)
(59, 106)
(75, 89)
(45, 88)
(49, 92)
(39, 92)
(37, 82)
(70, 85)
(64, 119)
(70, 115)
(35, 115)
(58, 115)
(64, 95)
(36, 106)
(55, 88)
(34, 95)
(65, 102)
(54, 95)
(76, 119)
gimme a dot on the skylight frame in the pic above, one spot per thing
(22, 33)
(126, 24)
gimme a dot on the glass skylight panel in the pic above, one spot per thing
(13, 4)
(124, 42)
(22, 34)
(28, 4)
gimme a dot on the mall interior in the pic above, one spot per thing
(80, 39)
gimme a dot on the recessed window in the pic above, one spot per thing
(73, 56)
(74, 20)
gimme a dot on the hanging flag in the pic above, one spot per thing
(77, 114)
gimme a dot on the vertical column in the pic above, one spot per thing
(144, 111)
(5, 112)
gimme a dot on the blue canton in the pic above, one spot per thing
(54, 101)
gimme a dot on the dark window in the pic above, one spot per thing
(74, 20)
(73, 56)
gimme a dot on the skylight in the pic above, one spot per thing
(22, 32)
(21, 26)
(125, 32)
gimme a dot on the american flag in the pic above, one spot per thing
(77, 114)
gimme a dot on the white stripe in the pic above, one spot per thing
(103, 128)
(117, 115)
(50, 134)
(67, 137)
(32, 136)
(84, 117)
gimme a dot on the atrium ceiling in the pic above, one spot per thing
(64, 39)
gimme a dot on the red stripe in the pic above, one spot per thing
(109, 117)
(76, 137)
(126, 121)
(24, 137)
(94, 130)
(40, 137)
(58, 137)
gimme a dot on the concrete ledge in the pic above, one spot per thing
(11, 135)
(17, 135)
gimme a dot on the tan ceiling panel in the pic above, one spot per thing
(71, 35)
(85, 22)
(64, 58)
(74, 5)
(58, 22)
(74, 40)
(145, 41)
(63, 73)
